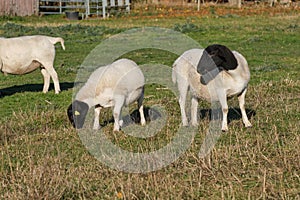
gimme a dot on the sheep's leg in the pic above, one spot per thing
(119, 102)
(194, 111)
(224, 105)
(183, 89)
(242, 107)
(54, 77)
(96, 119)
(46, 76)
(141, 109)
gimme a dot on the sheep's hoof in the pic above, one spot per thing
(143, 121)
(96, 128)
(248, 125)
(116, 129)
(195, 124)
(185, 124)
(225, 129)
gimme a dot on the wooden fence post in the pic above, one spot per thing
(104, 4)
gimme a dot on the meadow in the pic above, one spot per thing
(43, 157)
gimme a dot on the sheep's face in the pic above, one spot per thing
(77, 112)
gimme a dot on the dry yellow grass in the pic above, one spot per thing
(42, 156)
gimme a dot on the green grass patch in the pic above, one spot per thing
(42, 156)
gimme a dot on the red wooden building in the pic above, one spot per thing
(18, 7)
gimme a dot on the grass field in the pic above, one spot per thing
(42, 156)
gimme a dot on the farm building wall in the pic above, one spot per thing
(18, 7)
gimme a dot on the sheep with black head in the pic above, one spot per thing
(213, 74)
(116, 85)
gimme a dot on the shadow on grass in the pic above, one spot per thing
(152, 114)
(32, 88)
(134, 117)
(233, 114)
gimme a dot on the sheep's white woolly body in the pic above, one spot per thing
(122, 77)
(225, 84)
(22, 55)
(118, 84)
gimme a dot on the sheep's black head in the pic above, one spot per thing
(77, 112)
(216, 56)
(214, 59)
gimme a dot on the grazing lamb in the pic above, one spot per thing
(21, 55)
(222, 83)
(118, 84)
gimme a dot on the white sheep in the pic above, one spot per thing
(21, 55)
(115, 85)
(223, 84)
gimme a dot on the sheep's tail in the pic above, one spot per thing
(56, 40)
